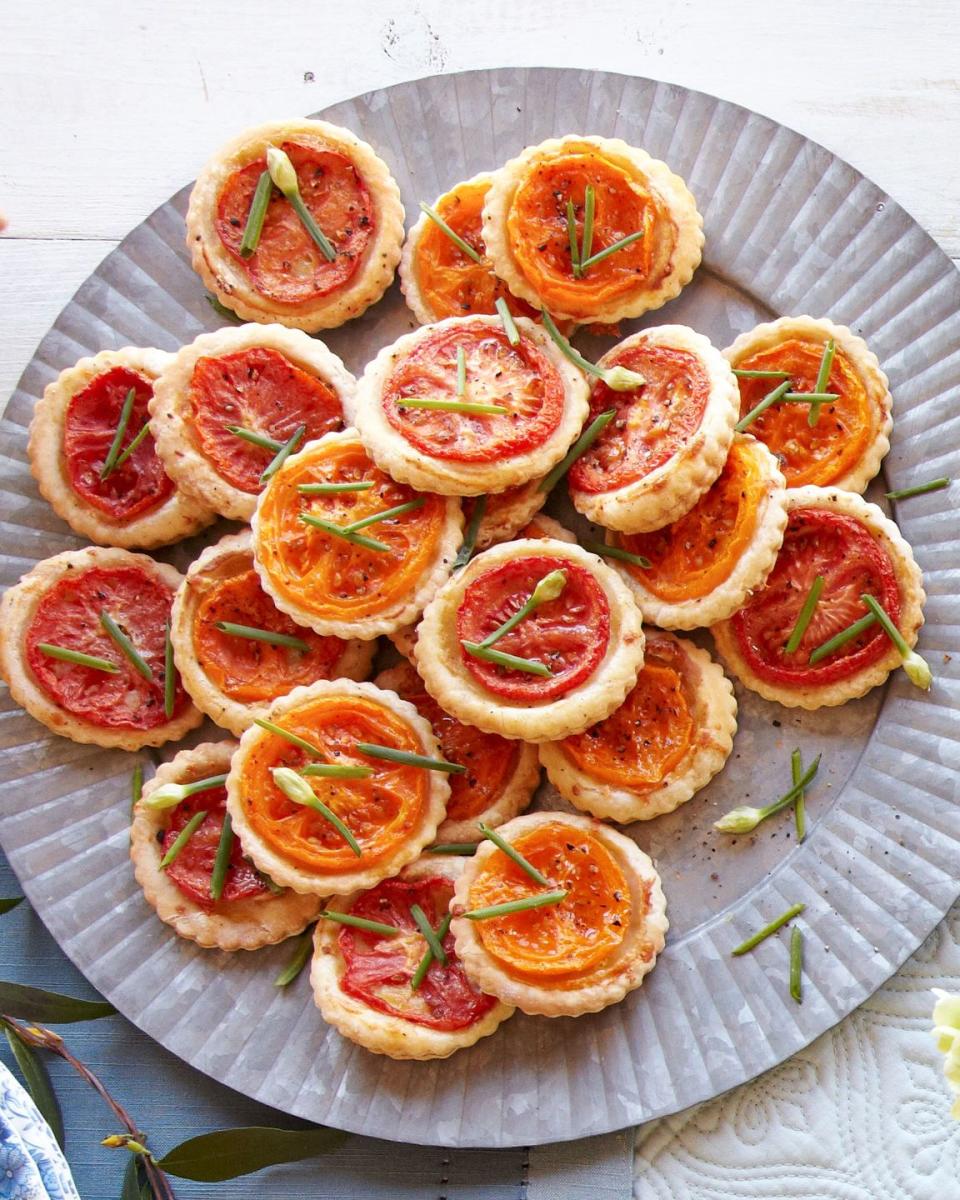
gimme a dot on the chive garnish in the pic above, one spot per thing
(298, 959)
(572, 239)
(762, 934)
(126, 647)
(465, 553)
(184, 836)
(292, 738)
(141, 434)
(420, 974)
(255, 439)
(509, 324)
(460, 406)
(589, 206)
(513, 906)
(284, 175)
(823, 375)
(110, 462)
(579, 447)
(397, 511)
(513, 853)
(296, 788)
(511, 662)
(344, 918)
(841, 638)
(169, 674)
(221, 864)
(805, 617)
(918, 672)
(813, 398)
(761, 374)
(169, 795)
(331, 489)
(464, 848)
(136, 786)
(769, 399)
(800, 808)
(389, 754)
(63, 654)
(461, 371)
(745, 819)
(420, 917)
(605, 253)
(258, 210)
(796, 964)
(357, 539)
(336, 771)
(549, 588)
(254, 634)
(605, 550)
(919, 489)
(283, 454)
(457, 240)
(567, 350)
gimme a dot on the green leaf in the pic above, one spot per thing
(38, 1083)
(131, 1183)
(227, 1153)
(34, 1004)
(10, 902)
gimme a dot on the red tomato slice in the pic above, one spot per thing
(264, 392)
(650, 425)
(192, 869)
(569, 634)
(851, 561)
(288, 266)
(69, 616)
(521, 378)
(91, 422)
(379, 969)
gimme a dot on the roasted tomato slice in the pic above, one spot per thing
(822, 453)
(250, 671)
(380, 811)
(138, 485)
(650, 734)
(262, 391)
(288, 266)
(192, 869)
(519, 378)
(379, 969)
(69, 616)
(650, 425)
(569, 635)
(698, 553)
(851, 561)
(564, 940)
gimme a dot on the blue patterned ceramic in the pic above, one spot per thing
(32, 1166)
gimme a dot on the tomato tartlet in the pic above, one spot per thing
(440, 279)
(72, 674)
(249, 913)
(668, 439)
(538, 398)
(391, 809)
(228, 403)
(342, 583)
(354, 203)
(501, 775)
(579, 955)
(667, 740)
(527, 229)
(363, 980)
(566, 664)
(704, 565)
(112, 490)
(856, 550)
(235, 651)
(847, 442)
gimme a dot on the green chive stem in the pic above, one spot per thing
(297, 789)
(589, 207)
(184, 836)
(110, 462)
(255, 217)
(457, 240)
(796, 964)
(169, 795)
(284, 175)
(433, 942)
(461, 371)
(915, 666)
(345, 918)
(390, 754)
(602, 254)
(805, 616)
(514, 906)
(746, 818)
(566, 349)
(511, 662)
(800, 808)
(331, 489)
(255, 439)
(356, 539)
(64, 654)
(141, 434)
(253, 634)
(221, 864)
(458, 406)
(823, 376)
(761, 374)
(509, 324)
(572, 239)
(762, 934)
(420, 974)
(606, 550)
(292, 738)
(298, 959)
(511, 852)
(283, 454)
(397, 511)
(136, 785)
(769, 399)
(465, 553)
(126, 647)
(336, 771)
(920, 489)
(169, 675)
(464, 848)
(841, 638)
(815, 398)
(549, 588)
(579, 447)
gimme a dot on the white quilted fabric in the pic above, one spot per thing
(863, 1114)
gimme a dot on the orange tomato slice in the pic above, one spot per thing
(696, 554)
(821, 453)
(380, 811)
(333, 578)
(639, 745)
(539, 238)
(563, 940)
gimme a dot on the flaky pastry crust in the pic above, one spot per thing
(438, 657)
(179, 516)
(506, 513)
(234, 924)
(912, 597)
(227, 280)
(17, 609)
(713, 708)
